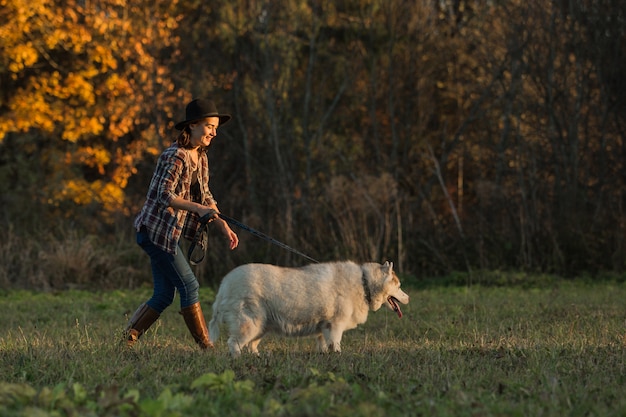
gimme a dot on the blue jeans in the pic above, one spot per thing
(169, 273)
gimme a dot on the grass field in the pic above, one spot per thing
(557, 350)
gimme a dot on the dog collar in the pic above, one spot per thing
(366, 288)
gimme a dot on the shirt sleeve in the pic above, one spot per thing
(168, 175)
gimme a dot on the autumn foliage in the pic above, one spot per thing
(442, 135)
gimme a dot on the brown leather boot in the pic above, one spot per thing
(194, 319)
(141, 320)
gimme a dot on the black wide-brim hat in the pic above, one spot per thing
(199, 109)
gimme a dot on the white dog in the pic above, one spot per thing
(319, 299)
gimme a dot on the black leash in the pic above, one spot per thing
(201, 237)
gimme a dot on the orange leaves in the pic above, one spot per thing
(77, 127)
(99, 22)
(22, 56)
(91, 81)
(111, 197)
(79, 85)
(104, 56)
(81, 193)
(29, 111)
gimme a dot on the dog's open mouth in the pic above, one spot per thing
(395, 305)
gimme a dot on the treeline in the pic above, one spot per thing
(443, 135)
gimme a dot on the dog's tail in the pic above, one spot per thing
(214, 325)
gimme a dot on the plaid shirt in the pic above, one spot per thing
(172, 178)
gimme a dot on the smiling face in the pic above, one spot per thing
(203, 131)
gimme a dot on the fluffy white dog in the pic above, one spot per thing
(322, 299)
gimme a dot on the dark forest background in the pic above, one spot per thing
(444, 135)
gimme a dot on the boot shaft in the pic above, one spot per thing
(140, 321)
(194, 319)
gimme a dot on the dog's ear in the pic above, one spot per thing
(388, 267)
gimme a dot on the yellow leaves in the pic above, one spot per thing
(104, 57)
(23, 11)
(78, 190)
(126, 168)
(77, 127)
(107, 192)
(111, 197)
(30, 111)
(170, 22)
(84, 73)
(77, 84)
(99, 23)
(116, 85)
(82, 193)
(53, 102)
(120, 126)
(95, 157)
(49, 102)
(22, 56)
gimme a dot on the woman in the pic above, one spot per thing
(178, 196)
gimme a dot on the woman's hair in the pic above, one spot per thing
(184, 138)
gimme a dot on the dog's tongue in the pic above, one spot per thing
(395, 305)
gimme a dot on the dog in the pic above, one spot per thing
(322, 300)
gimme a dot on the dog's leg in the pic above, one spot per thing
(244, 334)
(334, 344)
(234, 347)
(253, 345)
(322, 345)
(332, 338)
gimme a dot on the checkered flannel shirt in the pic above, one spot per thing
(172, 178)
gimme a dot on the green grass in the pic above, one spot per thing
(458, 351)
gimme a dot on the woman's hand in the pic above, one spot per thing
(233, 239)
(209, 212)
(212, 211)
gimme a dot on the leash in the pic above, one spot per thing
(202, 239)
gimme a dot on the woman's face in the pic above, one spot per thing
(203, 131)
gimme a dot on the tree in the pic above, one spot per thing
(85, 93)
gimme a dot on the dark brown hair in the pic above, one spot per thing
(184, 138)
